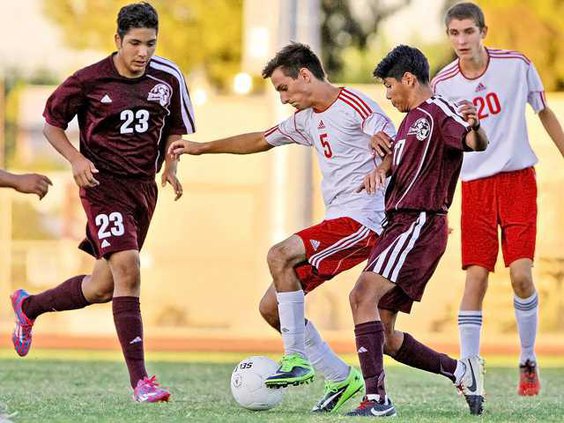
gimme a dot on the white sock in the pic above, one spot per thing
(292, 325)
(526, 313)
(322, 357)
(469, 328)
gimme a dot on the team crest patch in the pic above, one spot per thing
(420, 129)
(160, 93)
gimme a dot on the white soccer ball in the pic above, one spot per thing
(247, 384)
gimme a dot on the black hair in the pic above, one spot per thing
(137, 15)
(291, 59)
(467, 10)
(403, 59)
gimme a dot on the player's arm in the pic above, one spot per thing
(250, 143)
(552, 127)
(29, 183)
(476, 139)
(170, 168)
(83, 170)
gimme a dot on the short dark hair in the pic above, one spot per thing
(403, 59)
(137, 15)
(291, 59)
(467, 10)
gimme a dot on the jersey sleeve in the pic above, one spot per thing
(64, 103)
(291, 130)
(377, 122)
(181, 120)
(535, 95)
(453, 130)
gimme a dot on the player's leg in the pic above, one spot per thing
(126, 309)
(518, 211)
(369, 334)
(479, 232)
(75, 293)
(294, 369)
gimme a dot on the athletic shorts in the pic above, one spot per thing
(407, 254)
(119, 212)
(507, 200)
(332, 247)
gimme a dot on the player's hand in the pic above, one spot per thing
(469, 112)
(177, 148)
(32, 183)
(169, 175)
(83, 171)
(381, 143)
(373, 182)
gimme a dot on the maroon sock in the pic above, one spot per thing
(370, 348)
(66, 296)
(129, 327)
(415, 354)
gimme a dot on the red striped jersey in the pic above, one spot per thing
(427, 158)
(340, 136)
(500, 94)
(124, 122)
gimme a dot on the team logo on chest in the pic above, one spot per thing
(160, 93)
(420, 129)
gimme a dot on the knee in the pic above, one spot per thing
(278, 257)
(359, 297)
(126, 271)
(101, 296)
(522, 283)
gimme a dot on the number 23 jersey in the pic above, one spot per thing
(124, 122)
(500, 95)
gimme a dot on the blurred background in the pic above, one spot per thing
(204, 263)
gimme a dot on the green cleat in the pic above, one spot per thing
(337, 393)
(294, 370)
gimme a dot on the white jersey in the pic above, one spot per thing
(341, 135)
(500, 94)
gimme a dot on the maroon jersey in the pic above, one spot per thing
(427, 158)
(124, 122)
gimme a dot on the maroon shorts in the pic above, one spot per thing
(507, 200)
(119, 212)
(332, 247)
(407, 254)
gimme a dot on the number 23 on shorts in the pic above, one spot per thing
(109, 225)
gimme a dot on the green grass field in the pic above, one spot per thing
(69, 386)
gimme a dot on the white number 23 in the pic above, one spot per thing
(109, 225)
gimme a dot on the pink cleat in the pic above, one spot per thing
(147, 390)
(21, 337)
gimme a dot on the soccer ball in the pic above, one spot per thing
(247, 384)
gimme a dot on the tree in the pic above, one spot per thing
(196, 34)
(347, 27)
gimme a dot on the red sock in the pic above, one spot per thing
(370, 347)
(66, 296)
(129, 327)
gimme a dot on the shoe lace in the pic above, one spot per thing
(528, 373)
(150, 382)
(366, 403)
(287, 363)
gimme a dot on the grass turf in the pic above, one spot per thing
(52, 387)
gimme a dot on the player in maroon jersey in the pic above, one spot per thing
(130, 106)
(425, 163)
(28, 183)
